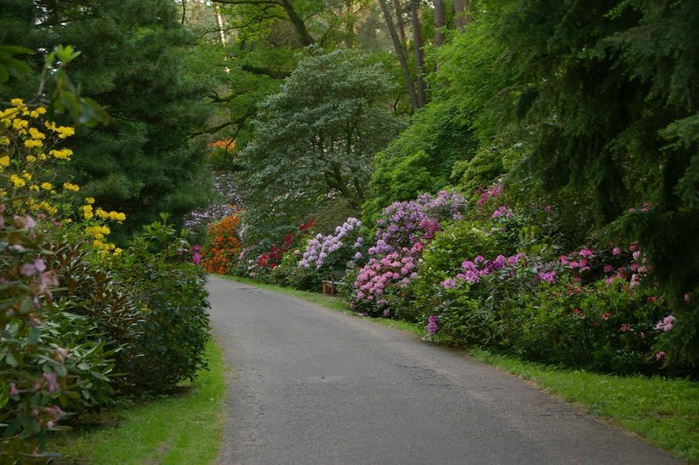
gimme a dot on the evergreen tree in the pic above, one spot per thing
(132, 62)
(609, 97)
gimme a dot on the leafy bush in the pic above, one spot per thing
(170, 292)
(222, 245)
(48, 361)
(89, 290)
(580, 311)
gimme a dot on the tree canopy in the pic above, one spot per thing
(315, 138)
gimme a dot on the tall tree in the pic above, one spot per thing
(419, 54)
(132, 62)
(461, 18)
(609, 96)
(315, 139)
(439, 22)
(401, 53)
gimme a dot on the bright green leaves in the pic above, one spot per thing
(66, 96)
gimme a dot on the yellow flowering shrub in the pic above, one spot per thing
(30, 160)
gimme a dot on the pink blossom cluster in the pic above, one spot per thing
(479, 267)
(432, 326)
(320, 247)
(666, 324)
(491, 192)
(502, 211)
(380, 273)
(578, 260)
(403, 224)
(634, 272)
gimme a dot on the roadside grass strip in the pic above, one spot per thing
(183, 429)
(663, 411)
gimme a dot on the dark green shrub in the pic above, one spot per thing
(88, 289)
(603, 327)
(170, 292)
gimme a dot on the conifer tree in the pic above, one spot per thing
(132, 62)
(610, 100)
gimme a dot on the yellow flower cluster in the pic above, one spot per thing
(62, 131)
(69, 186)
(61, 154)
(98, 231)
(27, 149)
(111, 216)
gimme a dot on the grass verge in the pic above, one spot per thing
(663, 411)
(183, 429)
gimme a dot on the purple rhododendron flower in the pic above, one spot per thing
(432, 325)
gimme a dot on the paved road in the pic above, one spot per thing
(313, 386)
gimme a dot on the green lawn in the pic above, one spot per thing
(183, 429)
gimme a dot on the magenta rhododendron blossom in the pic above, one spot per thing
(432, 325)
(666, 324)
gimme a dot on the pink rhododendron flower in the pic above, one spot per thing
(666, 324)
(587, 253)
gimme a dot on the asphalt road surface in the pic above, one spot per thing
(308, 385)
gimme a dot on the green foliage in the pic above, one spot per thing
(170, 293)
(602, 328)
(90, 290)
(314, 141)
(420, 159)
(133, 63)
(289, 273)
(442, 259)
(48, 361)
(584, 106)
(9, 61)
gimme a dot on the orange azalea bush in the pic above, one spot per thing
(222, 245)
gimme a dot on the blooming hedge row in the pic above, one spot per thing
(497, 275)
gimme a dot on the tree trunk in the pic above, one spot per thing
(298, 23)
(439, 22)
(460, 13)
(419, 56)
(400, 23)
(400, 51)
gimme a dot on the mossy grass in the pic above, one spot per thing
(663, 411)
(180, 429)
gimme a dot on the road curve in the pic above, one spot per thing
(308, 385)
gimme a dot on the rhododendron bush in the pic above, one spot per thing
(81, 318)
(401, 234)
